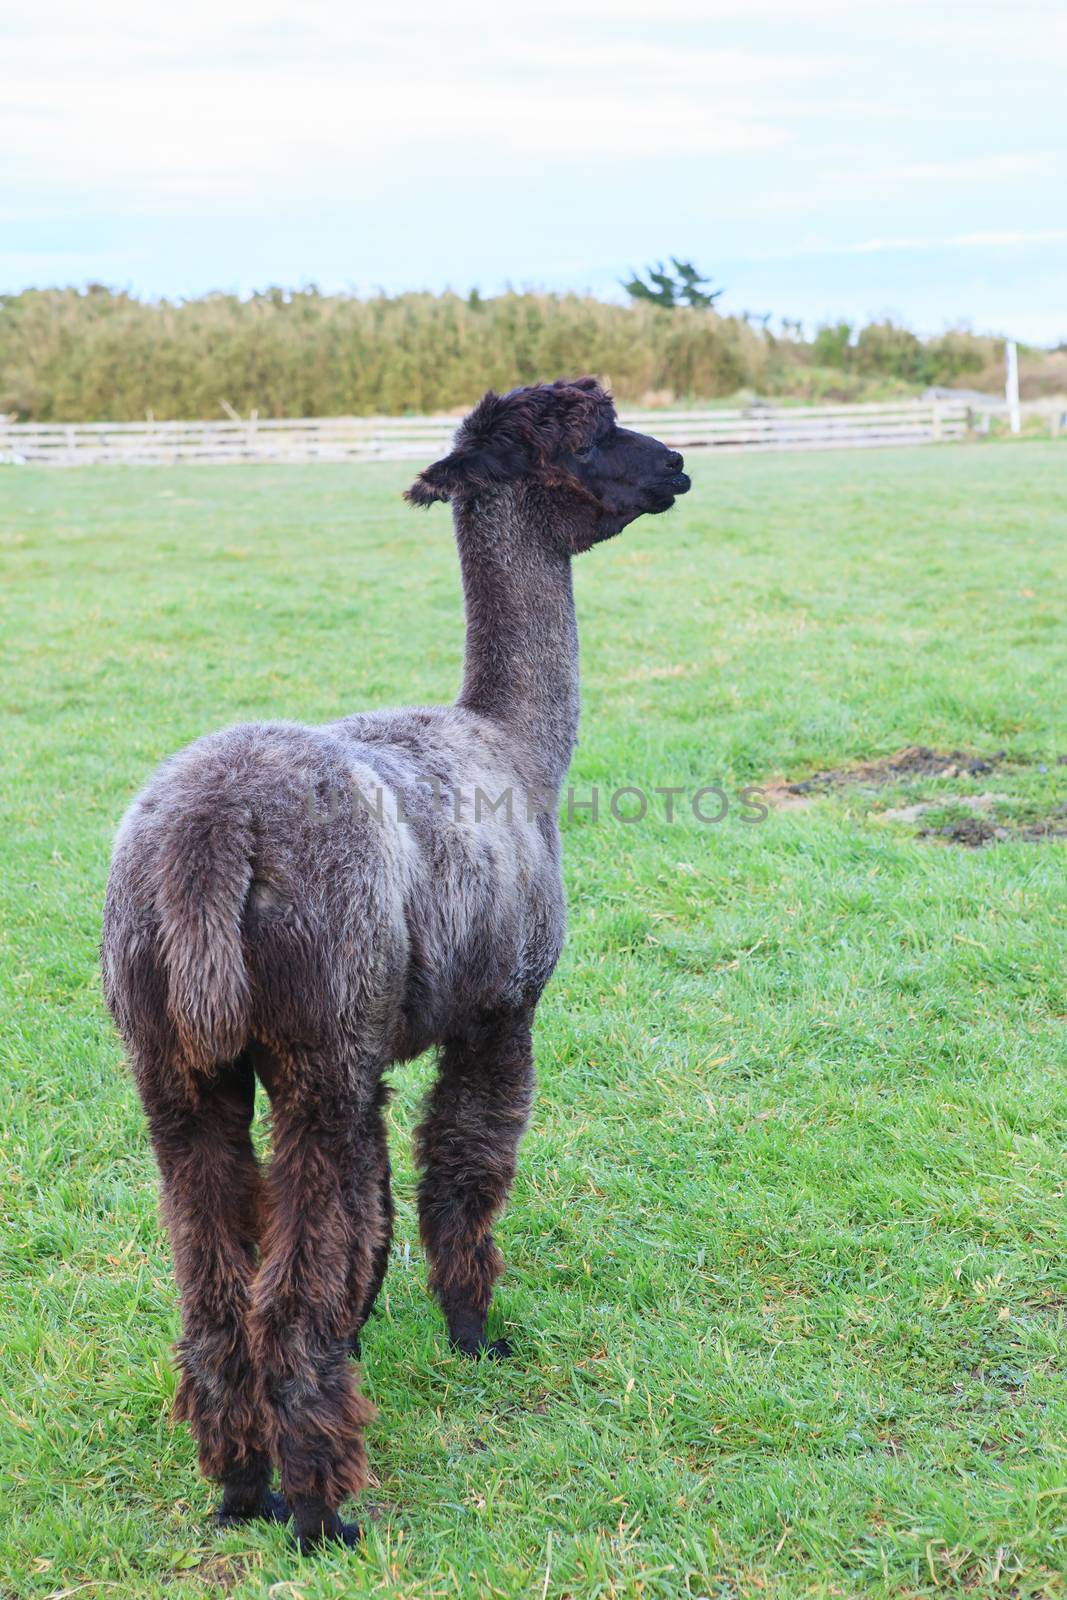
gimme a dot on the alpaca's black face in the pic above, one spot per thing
(562, 440)
(629, 475)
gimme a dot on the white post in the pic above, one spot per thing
(1011, 387)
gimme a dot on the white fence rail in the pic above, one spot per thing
(1052, 410)
(423, 439)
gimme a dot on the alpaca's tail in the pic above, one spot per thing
(203, 874)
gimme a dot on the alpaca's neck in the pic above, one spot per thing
(521, 665)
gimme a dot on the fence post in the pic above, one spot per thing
(1011, 385)
(936, 423)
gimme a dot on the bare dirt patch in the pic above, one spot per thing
(975, 832)
(979, 826)
(916, 761)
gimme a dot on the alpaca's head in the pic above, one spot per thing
(562, 441)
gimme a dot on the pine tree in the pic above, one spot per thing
(684, 288)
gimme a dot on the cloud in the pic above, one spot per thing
(993, 238)
(981, 169)
(194, 131)
(245, 131)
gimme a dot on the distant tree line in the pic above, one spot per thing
(98, 354)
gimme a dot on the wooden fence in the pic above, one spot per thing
(425, 438)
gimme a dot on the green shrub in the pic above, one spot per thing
(94, 354)
(67, 354)
(831, 346)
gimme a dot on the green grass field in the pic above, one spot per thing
(787, 1255)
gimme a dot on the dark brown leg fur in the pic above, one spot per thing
(466, 1145)
(380, 1259)
(323, 1228)
(210, 1187)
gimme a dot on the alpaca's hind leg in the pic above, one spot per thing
(322, 1226)
(210, 1186)
(466, 1145)
(380, 1260)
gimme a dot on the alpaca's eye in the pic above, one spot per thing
(585, 453)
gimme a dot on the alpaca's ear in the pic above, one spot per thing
(481, 467)
(438, 482)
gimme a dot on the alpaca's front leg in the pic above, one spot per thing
(466, 1145)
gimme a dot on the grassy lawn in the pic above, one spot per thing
(787, 1265)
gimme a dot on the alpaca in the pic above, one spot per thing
(305, 906)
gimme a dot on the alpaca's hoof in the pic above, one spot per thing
(466, 1333)
(319, 1539)
(491, 1350)
(270, 1507)
(315, 1526)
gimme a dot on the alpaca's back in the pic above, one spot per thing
(248, 914)
(277, 882)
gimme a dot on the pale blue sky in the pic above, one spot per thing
(821, 159)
